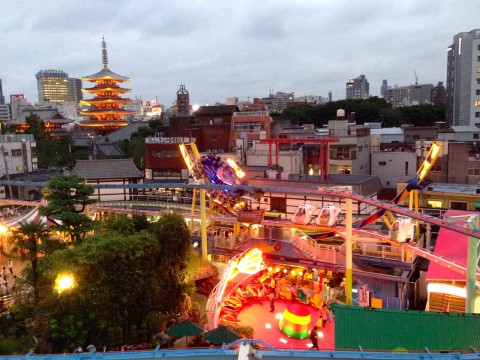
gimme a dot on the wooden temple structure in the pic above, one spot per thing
(106, 112)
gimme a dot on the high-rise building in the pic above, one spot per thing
(2, 98)
(75, 93)
(418, 94)
(358, 88)
(384, 88)
(106, 110)
(183, 101)
(438, 94)
(52, 86)
(463, 79)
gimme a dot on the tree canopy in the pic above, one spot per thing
(67, 198)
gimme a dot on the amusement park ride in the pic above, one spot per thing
(403, 230)
(222, 182)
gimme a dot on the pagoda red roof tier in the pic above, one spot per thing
(106, 88)
(105, 73)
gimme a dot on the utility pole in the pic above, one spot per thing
(7, 175)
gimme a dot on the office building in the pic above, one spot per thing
(52, 86)
(358, 88)
(463, 79)
(75, 93)
(418, 94)
(384, 88)
(438, 94)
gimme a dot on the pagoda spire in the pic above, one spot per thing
(104, 54)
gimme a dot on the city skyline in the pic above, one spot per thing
(219, 50)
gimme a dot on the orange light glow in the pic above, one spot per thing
(251, 262)
(235, 167)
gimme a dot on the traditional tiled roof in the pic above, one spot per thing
(104, 73)
(107, 169)
(46, 115)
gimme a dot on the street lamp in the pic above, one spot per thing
(64, 282)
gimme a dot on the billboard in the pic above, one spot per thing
(16, 97)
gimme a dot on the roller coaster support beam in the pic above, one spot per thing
(348, 252)
(203, 224)
(471, 223)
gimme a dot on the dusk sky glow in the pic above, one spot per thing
(221, 49)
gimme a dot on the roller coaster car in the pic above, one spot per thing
(303, 215)
(328, 215)
(402, 230)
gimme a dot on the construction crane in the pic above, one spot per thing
(416, 77)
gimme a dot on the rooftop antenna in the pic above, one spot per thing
(416, 77)
(104, 54)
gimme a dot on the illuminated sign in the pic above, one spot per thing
(168, 140)
(16, 97)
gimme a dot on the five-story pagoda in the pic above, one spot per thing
(106, 112)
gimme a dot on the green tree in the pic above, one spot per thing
(67, 199)
(32, 239)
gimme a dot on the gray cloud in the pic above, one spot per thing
(220, 49)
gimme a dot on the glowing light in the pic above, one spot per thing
(3, 229)
(300, 273)
(447, 289)
(320, 334)
(270, 269)
(195, 244)
(64, 282)
(435, 150)
(285, 271)
(278, 316)
(292, 272)
(282, 340)
(310, 171)
(235, 168)
(251, 262)
(268, 325)
(277, 269)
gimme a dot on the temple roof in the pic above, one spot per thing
(105, 73)
(100, 100)
(107, 169)
(51, 116)
(106, 88)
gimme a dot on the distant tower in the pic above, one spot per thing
(106, 112)
(358, 88)
(438, 94)
(329, 96)
(183, 101)
(463, 79)
(2, 98)
(384, 88)
(52, 86)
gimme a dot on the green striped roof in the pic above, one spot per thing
(383, 329)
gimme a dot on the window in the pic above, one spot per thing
(478, 69)
(278, 204)
(16, 152)
(477, 80)
(382, 163)
(434, 204)
(406, 167)
(217, 120)
(477, 92)
(477, 114)
(436, 168)
(213, 137)
(476, 135)
(456, 205)
(477, 103)
(478, 58)
(360, 149)
(473, 172)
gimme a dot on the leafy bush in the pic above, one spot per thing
(10, 347)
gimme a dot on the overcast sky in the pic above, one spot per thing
(225, 48)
